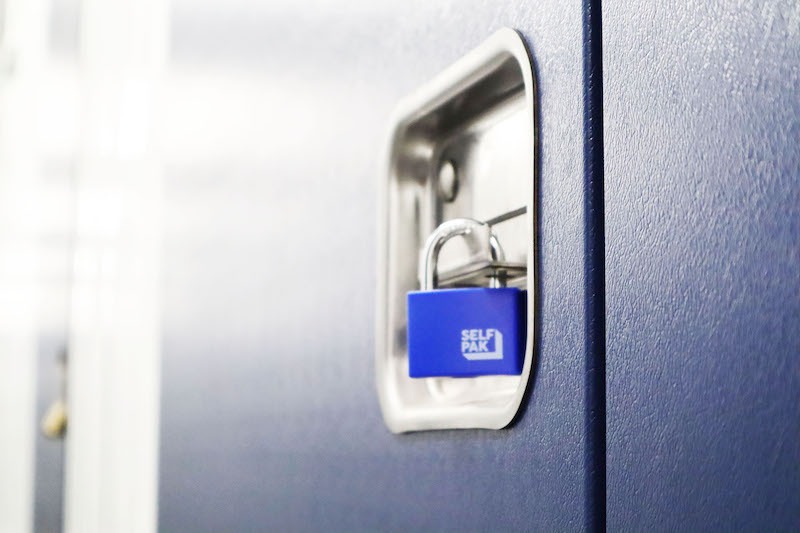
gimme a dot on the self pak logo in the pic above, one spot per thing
(481, 344)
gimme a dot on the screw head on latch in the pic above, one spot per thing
(448, 181)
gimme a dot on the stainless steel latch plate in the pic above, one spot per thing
(463, 145)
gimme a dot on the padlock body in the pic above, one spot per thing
(466, 332)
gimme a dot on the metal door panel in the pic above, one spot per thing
(276, 123)
(703, 217)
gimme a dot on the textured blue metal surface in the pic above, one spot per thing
(270, 420)
(466, 332)
(702, 170)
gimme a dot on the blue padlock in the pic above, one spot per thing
(464, 332)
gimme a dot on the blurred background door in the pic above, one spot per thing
(37, 211)
(79, 246)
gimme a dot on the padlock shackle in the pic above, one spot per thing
(456, 227)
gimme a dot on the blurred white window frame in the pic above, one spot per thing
(111, 475)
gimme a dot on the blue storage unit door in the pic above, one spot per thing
(270, 420)
(702, 170)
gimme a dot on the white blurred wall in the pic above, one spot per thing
(22, 48)
(80, 245)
